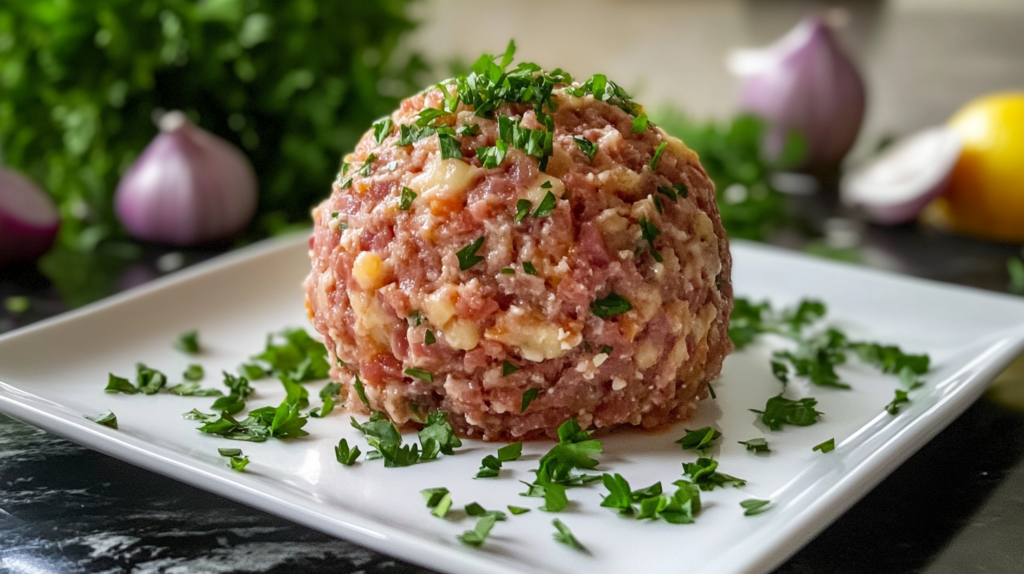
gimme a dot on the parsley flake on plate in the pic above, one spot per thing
(893, 408)
(193, 373)
(108, 420)
(478, 535)
(188, 342)
(517, 510)
(439, 500)
(705, 475)
(827, 446)
(238, 463)
(780, 411)
(756, 445)
(700, 439)
(360, 390)
(565, 536)
(491, 465)
(148, 380)
(116, 384)
(753, 506)
(346, 455)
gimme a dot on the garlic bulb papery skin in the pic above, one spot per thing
(188, 187)
(804, 83)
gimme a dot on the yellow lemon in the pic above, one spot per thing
(985, 197)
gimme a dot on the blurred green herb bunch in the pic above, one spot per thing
(293, 83)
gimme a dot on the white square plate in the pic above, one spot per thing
(53, 374)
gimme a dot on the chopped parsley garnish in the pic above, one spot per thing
(536, 143)
(700, 440)
(467, 255)
(586, 146)
(528, 395)
(613, 304)
(188, 342)
(492, 156)
(756, 445)
(345, 183)
(491, 465)
(668, 192)
(197, 415)
(650, 232)
(382, 129)
(193, 372)
(343, 170)
(345, 455)
(607, 349)
(827, 446)
(508, 368)
(890, 358)
(367, 166)
(507, 271)
(711, 391)
(753, 506)
(107, 420)
(294, 353)
(606, 91)
(334, 214)
(408, 134)
(780, 411)
(439, 500)
(571, 453)
(360, 390)
(268, 422)
(193, 390)
(680, 508)
(469, 130)
(893, 408)
(529, 269)
(565, 536)
(429, 338)
(149, 381)
(328, 394)
(639, 124)
(420, 374)
(656, 159)
(116, 384)
(478, 535)
(437, 437)
(450, 148)
(705, 476)
(547, 205)
(239, 463)
(408, 196)
(523, 207)
(475, 509)
(657, 203)
(229, 451)
(546, 185)
(517, 510)
(416, 318)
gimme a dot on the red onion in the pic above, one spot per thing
(896, 185)
(804, 83)
(28, 219)
(188, 187)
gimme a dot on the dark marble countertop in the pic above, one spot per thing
(956, 506)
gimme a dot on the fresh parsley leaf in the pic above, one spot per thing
(700, 439)
(517, 510)
(116, 384)
(756, 445)
(510, 452)
(656, 158)
(588, 147)
(529, 269)
(107, 420)
(474, 509)
(555, 499)
(827, 446)
(439, 500)
(148, 380)
(529, 395)
(657, 203)
(650, 232)
(640, 124)
(239, 463)
(239, 386)
(367, 166)
(546, 206)
(908, 378)
(508, 368)
(492, 156)
(450, 147)
(407, 135)
(251, 371)
(711, 391)
(295, 353)
(416, 318)
(438, 429)
(620, 496)
(565, 536)
(468, 130)
(893, 408)
(467, 255)
(382, 129)
(193, 373)
(571, 453)
(345, 455)
(478, 535)
(489, 467)
(507, 271)
(188, 342)
(780, 411)
(613, 304)
(420, 374)
(668, 192)
(360, 391)
(408, 196)
(193, 390)
(196, 415)
(429, 338)
(890, 358)
(705, 475)
(523, 207)
(229, 451)
(753, 506)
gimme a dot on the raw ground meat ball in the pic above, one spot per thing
(599, 286)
